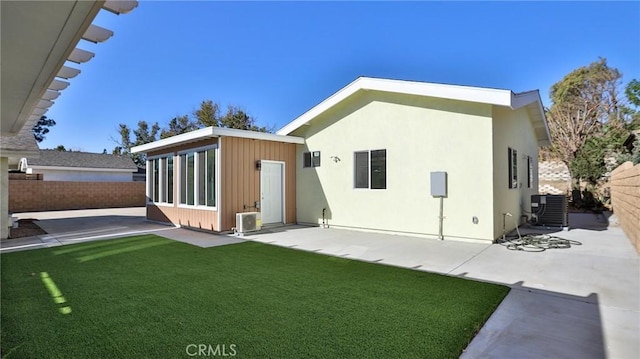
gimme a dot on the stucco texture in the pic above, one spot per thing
(420, 135)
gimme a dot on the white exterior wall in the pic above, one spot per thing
(512, 129)
(84, 176)
(420, 135)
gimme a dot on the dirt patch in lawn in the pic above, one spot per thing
(26, 228)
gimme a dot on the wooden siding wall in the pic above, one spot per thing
(241, 180)
(183, 216)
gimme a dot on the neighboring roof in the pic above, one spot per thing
(212, 132)
(21, 145)
(81, 160)
(497, 97)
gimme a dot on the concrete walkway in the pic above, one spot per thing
(581, 302)
(69, 227)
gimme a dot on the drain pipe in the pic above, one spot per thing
(324, 221)
(504, 226)
(440, 236)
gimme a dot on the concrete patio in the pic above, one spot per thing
(580, 302)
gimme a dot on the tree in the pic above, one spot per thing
(42, 128)
(633, 96)
(179, 125)
(583, 102)
(591, 164)
(238, 119)
(143, 134)
(633, 92)
(208, 114)
(60, 148)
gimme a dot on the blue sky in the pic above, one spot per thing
(278, 59)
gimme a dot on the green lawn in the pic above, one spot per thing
(147, 296)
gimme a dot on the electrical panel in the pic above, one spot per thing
(439, 184)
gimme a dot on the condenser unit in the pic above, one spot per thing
(549, 210)
(248, 222)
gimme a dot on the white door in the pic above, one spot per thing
(271, 174)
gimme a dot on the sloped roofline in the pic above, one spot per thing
(496, 97)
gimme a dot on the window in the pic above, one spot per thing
(190, 179)
(160, 185)
(529, 171)
(168, 187)
(361, 170)
(211, 178)
(513, 168)
(156, 180)
(311, 159)
(370, 169)
(197, 178)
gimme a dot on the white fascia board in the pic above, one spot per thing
(196, 135)
(210, 132)
(230, 132)
(532, 98)
(329, 102)
(83, 169)
(453, 92)
(523, 98)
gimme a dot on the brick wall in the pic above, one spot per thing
(32, 196)
(625, 199)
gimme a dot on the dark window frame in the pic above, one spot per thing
(311, 159)
(373, 163)
(513, 167)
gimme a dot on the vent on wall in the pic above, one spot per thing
(247, 222)
(549, 210)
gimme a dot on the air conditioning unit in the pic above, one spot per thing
(248, 222)
(549, 210)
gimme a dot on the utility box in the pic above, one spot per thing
(439, 184)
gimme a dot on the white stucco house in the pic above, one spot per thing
(363, 159)
(371, 147)
(56, 165)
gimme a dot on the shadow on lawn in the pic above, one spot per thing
(537, 323)
(102, 249)
(98, 227)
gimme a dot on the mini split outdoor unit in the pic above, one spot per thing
(248, 222)
(549, 210)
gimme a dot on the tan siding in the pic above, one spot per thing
(241, 179)
(185, 217)
(239, 183)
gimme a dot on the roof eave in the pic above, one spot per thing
(212, 132)
(534, 102)
(82, 169)
(452, 92)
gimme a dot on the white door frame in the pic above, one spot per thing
(284, 187)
